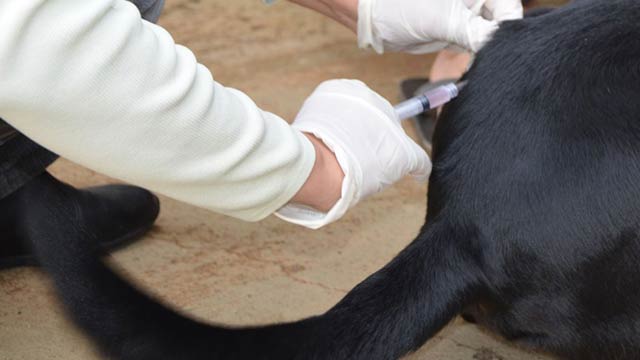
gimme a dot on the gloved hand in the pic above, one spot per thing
(363, 131)
(422, 26)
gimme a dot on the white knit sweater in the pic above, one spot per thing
(91, 81)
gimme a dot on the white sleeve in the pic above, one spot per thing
(94, 83)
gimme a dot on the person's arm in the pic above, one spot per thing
(323, 187)
(419, 26)
(343, 11)
(94, 83)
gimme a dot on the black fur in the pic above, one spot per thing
(534, 217)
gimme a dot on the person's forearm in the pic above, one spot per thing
(92, 82)
(322, 190)
(343, 11)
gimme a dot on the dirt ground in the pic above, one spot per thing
(223, 270)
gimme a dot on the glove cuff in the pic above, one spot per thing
(367, 36)
(350, 193)
(314, 219)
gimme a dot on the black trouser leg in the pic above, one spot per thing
(21, 160)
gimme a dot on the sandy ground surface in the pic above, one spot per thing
(222, 270)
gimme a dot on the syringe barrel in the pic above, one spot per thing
(412, 107)
(431, 99)
(441, 95)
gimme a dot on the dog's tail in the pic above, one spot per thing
(391, 313)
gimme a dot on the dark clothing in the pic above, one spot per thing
(150, 9)
(21, 159)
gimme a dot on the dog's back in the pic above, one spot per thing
(541, 157)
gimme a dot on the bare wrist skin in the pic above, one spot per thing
(323, 188)
(342, 11)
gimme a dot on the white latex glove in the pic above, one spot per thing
(363, 131)
(422, 26)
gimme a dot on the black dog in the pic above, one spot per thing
(533, 225)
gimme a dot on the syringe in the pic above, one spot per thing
(431, 99)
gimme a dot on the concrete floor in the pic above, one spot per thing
(223, 270)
